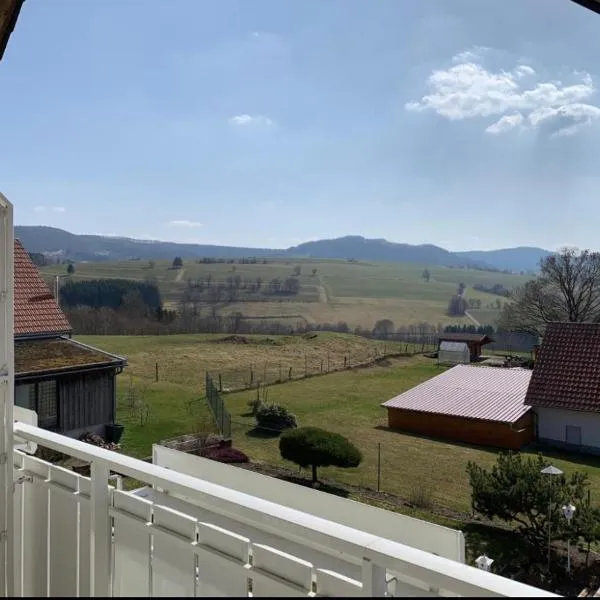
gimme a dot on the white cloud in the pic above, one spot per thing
(474, 54)
(185, 223)
(506, 123)
(246, 120)
(468, 90)
(41, 209)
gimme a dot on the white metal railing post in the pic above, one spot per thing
(100, 539)
(374, 579)
(6, 397)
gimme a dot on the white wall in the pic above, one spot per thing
(443, 541)
(552, 422)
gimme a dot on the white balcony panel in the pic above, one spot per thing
(330, 584)
(276, 573)
(173, 557)
(34, 532)
(132, 545)
(64, 533)
(220, 551)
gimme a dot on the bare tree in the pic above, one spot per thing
(567, 289)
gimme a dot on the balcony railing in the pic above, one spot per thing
(78, 536)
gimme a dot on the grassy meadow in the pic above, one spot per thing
(347, 402)
(359, 293)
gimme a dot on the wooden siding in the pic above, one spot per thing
(86, 401)
(471, 431)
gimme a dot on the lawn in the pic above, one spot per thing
(349, 403)
(175, 404)
(358, 293)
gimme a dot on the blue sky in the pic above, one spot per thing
(465, 123)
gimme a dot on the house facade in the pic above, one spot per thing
(71, 386)
(565, 387)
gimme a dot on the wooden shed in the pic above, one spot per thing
(475, 342)
(476, 405)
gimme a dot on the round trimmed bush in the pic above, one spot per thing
(314, 447)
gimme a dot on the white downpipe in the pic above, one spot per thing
(6, 397)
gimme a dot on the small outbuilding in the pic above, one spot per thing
(476, 405)
(454, 353)
(475, 341)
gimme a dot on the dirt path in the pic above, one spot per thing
(323, 294)
(179, 275)
(472, 319)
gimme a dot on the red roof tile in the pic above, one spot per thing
(566, 373)
(36, 311)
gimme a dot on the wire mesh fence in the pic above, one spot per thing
(217, 407)
(305, 365)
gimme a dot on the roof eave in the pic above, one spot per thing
(7, 25)
(593, 5)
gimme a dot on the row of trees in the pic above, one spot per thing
(566, 289)
(109, 293)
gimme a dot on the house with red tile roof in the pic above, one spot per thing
(71, 386)
(564, 390)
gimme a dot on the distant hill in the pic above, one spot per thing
(360, 248)
(62, 244)
(50, 240)
(523, 258)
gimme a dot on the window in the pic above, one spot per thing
(573, 435)
(42, 398)
(47, 405)
(25, 396)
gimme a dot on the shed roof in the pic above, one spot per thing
(465, 337)
(485, 393)
(36, 310)
(567, 368)
(454, 346)
(33, 357)
(9, 13)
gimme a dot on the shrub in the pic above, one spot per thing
(226, 455)
(276, 417)
(314, 447)
(421, 496)
(255, 405)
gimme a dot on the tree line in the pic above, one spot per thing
(108, 293)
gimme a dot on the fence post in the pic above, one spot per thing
(280, 377)
(379, 466)
(321, 365)
(220, 383)
(328, 361)
(156, 373)
(345, 361)
(290, 373)
(265, 372)
(251, 376)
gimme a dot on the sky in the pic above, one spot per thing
(468, 124)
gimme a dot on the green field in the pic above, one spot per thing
(347, 402)
(357, 293)
(183, 360)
